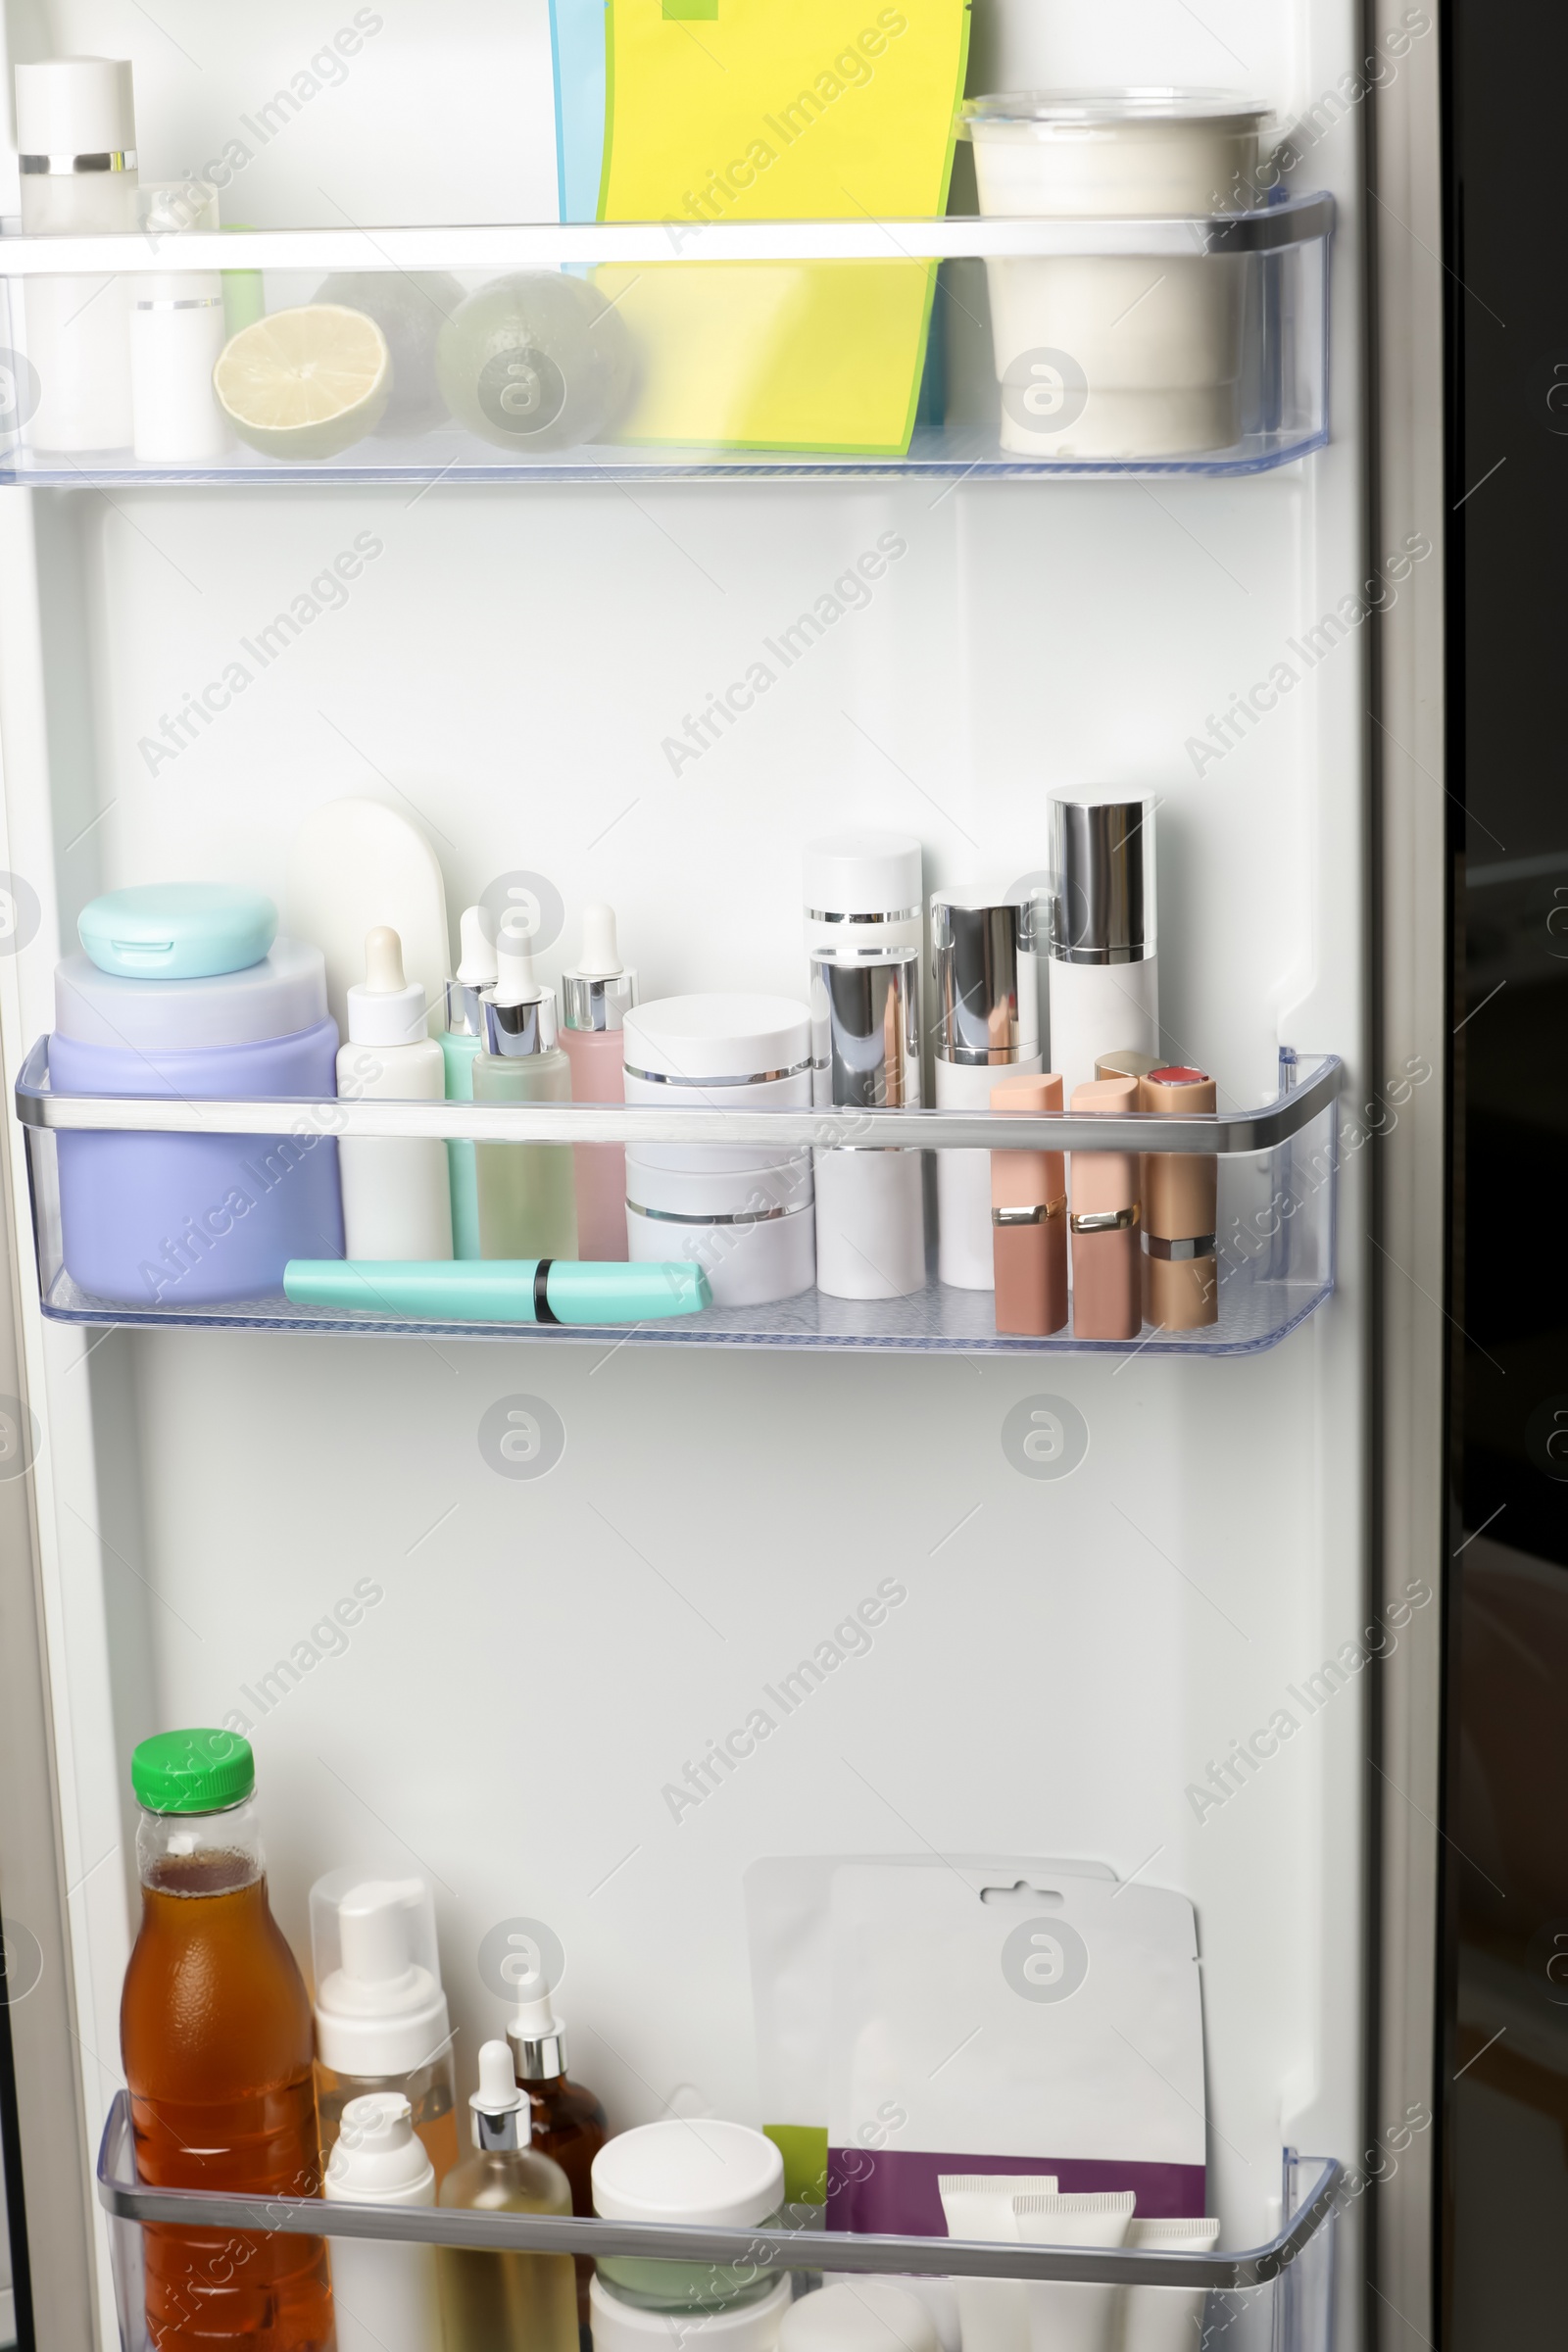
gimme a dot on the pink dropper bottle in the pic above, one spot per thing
(595, 1000)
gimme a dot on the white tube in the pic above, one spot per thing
(1166, 2318)
(993, 2316)
(1100, 1009)
(964, 1255)
(385, 2296)
(870, 1224)
(1063, 2315)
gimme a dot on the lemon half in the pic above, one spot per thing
(305, 383)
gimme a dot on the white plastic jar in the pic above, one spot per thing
(742, 1212)
(1116, 356)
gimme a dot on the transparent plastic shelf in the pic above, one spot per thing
(980, 347)
(1276, 1173)
(1279, 2296)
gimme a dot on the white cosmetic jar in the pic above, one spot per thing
(718, 1053)
(751, 1229)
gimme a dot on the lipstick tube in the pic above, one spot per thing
(1029, 1218)
(1107, 1285)
(1181, 1193)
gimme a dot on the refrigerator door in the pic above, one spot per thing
(511, 1615)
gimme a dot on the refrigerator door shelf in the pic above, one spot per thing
(1282, 2290)
(1277, 1170)
(981, 347)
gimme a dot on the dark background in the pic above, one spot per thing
(1504, 2059)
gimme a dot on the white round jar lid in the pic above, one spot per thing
(698, 2170)
(700, 1040)
(866, 873)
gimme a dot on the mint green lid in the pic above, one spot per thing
(178, 930)
(192, 1772)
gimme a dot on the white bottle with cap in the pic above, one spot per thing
(382, 2022)
(385, 2296)
(397, 1198)
(77, 138)
(1104, 974)
(177, 338)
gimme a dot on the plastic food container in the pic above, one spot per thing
(1116, 356)
(694, 2172)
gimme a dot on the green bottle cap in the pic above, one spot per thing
(192, 1772)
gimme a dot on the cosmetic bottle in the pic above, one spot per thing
(864, 890)
(507, 2302)
(385, 2294)
(77, 138)
(460, 1040)
(1180, 1209)
(528, 1192)
(595, 1000)
(987, 1026)
(1104, 984)
(741, 1212)
(865, 1056)
(568, 2122)
(1107, 1283)
(1029, 1218)
(178, 333)
(712, 2175)
(381, 2023)
(397, 1202)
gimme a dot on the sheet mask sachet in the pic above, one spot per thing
(789, 1928)
(758, 110)
(1066, 2030)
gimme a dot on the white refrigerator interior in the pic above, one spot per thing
(1089, 1639)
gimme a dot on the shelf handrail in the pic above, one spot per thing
(1270, 228)
(128, 2199)
(1222, 1134)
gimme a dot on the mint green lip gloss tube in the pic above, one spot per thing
(523, 1289)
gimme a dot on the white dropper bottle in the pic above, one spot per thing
(397, 1199)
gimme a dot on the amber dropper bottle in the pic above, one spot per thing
(568, 2122)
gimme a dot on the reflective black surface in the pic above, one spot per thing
(1505, 2049)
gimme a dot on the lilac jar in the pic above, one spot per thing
(178, 1221)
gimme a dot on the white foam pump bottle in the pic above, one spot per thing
(396, 1196)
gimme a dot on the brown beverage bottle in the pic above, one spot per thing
(214, 2034)
(568, 2123)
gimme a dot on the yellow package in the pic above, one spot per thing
(777, 110)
